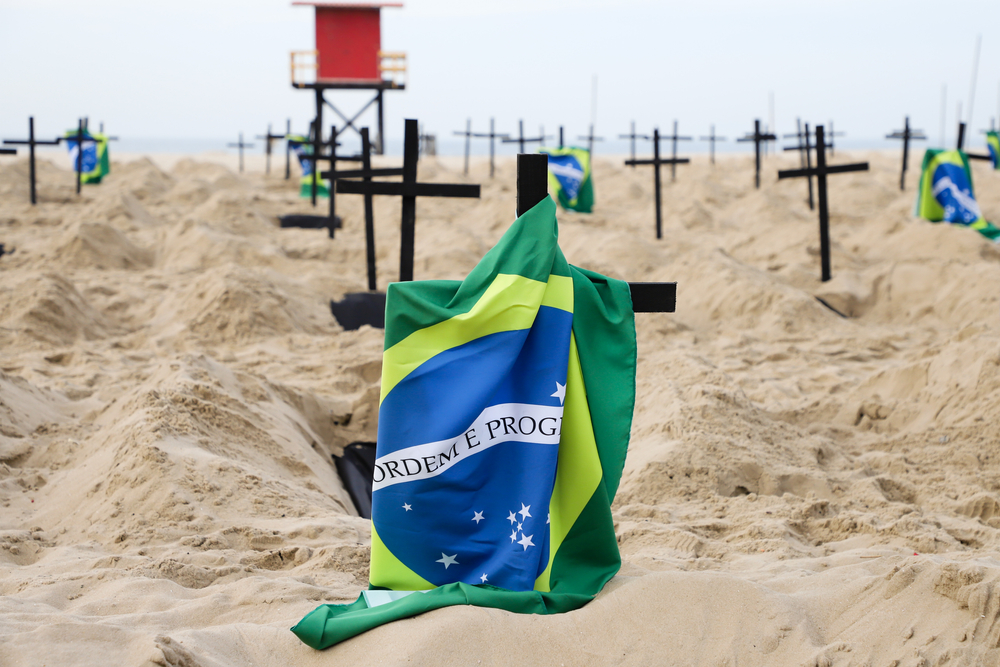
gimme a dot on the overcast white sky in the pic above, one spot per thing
(210, 68)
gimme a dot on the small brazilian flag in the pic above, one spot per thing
(95, 164)
(946, 192)
(302, 148)
(570, 178)
(993, 143)
(505, 411)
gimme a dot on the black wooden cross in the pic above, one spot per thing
(907, 135)
(468, 137)
(711, 139)
(632, 136)
(360, 308)
(757, 138)
(673, 152)
(533, 187)
(820, 171)
(335, 174)
(31, 142)
(491, 136)
(409, 190)
(241, 146)
(521, 140)
(561, 142)
(590, 138)
(961, 145)
(830, 135)
(427, 143)
(288, 149)
(804, 147)
(269, 138)
(656, 162)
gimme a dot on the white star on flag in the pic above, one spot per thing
(525, 542)
(560, 393)
(483, 578)
(478, 517)
(513, 536)
(519, 526)
(512, 518)
(407, 507)
(548, 517)
(524, 511)
(449, 560)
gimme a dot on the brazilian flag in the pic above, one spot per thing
(993, 143)
(303, 149)
(95, 164)
(505, 411)
(946, 192)
(570, 178)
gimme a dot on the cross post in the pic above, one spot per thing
(268, 139)
(757, 137)
(409, 189)
(711, 139)
(632, 136)
(590, 139)
(288, 149)
(521, 140)
(907, 135)
(656, 162)
(830, 135)
(491, 136)
(31, 142)
(468, 135)
(820, 171)
(673, 153)
(240, 145)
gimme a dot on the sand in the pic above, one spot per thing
(801, 488)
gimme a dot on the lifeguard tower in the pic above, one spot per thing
(349, 56)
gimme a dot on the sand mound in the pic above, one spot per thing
(805, 485)
(47, 308)
(100, 246)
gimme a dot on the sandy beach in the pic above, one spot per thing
(801, 488)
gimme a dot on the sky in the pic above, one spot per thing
(204, 70)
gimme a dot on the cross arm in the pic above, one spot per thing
(635, 136)
(711, 138)
(25, 142)
(486, 135)
(679, 160)
(832, 169)
(977, 156)
(408, 189)
(8, 151)
(653, 297)
(361, 173)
